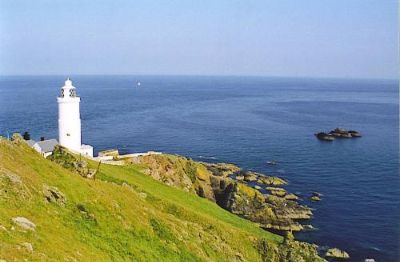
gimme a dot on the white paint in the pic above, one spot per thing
(69, 121)
(87, 150)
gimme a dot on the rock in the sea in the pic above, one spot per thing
(250, 177)
(271, 180)
(343, 133)
(291, 197)
(276, 191)
(316, 194)
(325, 136)
(315, 198)
(337, 253)
(257, 187)
(53, 195)
(354, 133)
(24, 223)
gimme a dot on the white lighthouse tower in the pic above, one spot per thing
(69, 121)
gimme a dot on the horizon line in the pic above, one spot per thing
(206, 75)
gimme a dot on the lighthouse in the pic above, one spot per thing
(69, 121)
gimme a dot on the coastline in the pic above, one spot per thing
(257, 197)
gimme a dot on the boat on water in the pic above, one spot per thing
(272, 162)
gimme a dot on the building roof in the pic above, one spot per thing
(47, 145)
(30, 142)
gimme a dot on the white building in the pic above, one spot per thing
(45, 147)
(69, 121)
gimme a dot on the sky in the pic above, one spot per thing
(307, 38)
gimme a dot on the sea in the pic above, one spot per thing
(248, 121)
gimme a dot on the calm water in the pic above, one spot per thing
(248, 121)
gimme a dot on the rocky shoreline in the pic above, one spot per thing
(228, 186)
(236, 190)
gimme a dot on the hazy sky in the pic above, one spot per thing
(328, 38)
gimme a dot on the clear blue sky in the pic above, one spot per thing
(317, 38)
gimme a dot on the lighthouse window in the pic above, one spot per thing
(62, 92)
(68, 134)
(72, 93)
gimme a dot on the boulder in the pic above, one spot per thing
(53, 195)
(24, 223)
(250, 177)
(221, 169)
(276, 191)
(337, 253)
(271, 180)
(315, 198)
(292, 197)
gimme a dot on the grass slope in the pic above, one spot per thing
(123, 215)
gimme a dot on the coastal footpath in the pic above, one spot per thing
(74, 209)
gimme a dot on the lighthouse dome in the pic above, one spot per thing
(68, 82)
(68, 90)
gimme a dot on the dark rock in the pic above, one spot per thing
(325, 136)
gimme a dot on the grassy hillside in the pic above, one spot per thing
(123, 215)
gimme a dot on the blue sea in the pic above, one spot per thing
(248, 121)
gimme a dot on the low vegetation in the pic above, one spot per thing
(122, 215)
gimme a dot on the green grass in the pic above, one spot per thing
(123, 215)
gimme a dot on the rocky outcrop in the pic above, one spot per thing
(221, 169)
(271, 180)
(271, 211)
(53, 195)
(338, 133)
(63, 157)
(277, 191)
(292, 197)
(336, 253)
(289, 250)
(24, 223)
